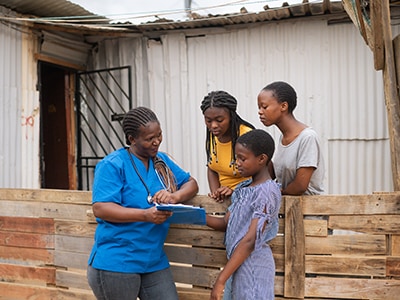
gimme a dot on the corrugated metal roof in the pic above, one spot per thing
(46, 8)
(304, 9)
(331, 9)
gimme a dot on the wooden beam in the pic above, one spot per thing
(294, 248)
(377, 33)
(358, 20)
(69, 80)
(59, 62)
(391, 95)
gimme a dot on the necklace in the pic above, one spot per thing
(140, 177)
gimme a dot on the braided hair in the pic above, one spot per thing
(283, 92)
(135, 118)
(222, 99)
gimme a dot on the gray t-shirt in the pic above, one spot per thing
(304, 151)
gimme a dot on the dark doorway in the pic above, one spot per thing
(56, 111)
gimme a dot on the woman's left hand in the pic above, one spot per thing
(165, 197)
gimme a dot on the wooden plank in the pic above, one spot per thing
(27, 274)
(352, 288)
(377, 34)
(367, 224)
(393, 266)
(352, 12)
(47, 195)
(294, 248)
(201, 277)
(43, 210)
(26, 240)
(391, 96)
(196, 256)
(346, 265)
(74, 294)
(317, 8)
(26, 256)
(23, 224)
(360, 244)
(352, 204)
(279, 285)
(195, 237)
(312, 227)
(74, 260)
(361, 22)
(395, 245)
(279, 262)
(193, 293)
(15, 291)
(59, 62)
(75, 228)
(76, 244)
(70, 121)
(336, 7)
(300, 10)
(72, 279)
(278, 244)
(315, 227)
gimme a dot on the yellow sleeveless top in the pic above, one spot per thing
(228, 175)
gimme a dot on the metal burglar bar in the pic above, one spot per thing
(102, 99)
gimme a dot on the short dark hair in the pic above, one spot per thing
(283, 92)
(135, 118)
(259, 142)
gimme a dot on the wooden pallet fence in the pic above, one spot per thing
(328, 247)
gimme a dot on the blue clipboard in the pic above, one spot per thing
(184, 214)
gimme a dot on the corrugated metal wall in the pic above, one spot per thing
(19, 109)
(339, 92)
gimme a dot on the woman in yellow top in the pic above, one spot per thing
(224, 126)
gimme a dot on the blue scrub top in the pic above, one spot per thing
(135, 247)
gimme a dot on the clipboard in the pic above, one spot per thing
(184, 214)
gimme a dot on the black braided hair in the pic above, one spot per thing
(283, 92)
(225, 100)
(259, 142)
(135, 118)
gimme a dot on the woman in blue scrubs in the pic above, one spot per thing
(127, 260)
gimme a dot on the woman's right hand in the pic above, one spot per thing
(156, 216)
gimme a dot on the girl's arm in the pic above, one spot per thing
(218, 223)
(241, 253)
(213, 180)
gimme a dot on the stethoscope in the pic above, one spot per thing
(166, 185)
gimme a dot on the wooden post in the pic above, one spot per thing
(378, 47)
(379, 39)
(294, 285)
(391, 95)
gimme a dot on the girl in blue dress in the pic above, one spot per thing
(251, 221)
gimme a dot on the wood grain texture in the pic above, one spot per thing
(311, 261)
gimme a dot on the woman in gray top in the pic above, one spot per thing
(298, 163)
